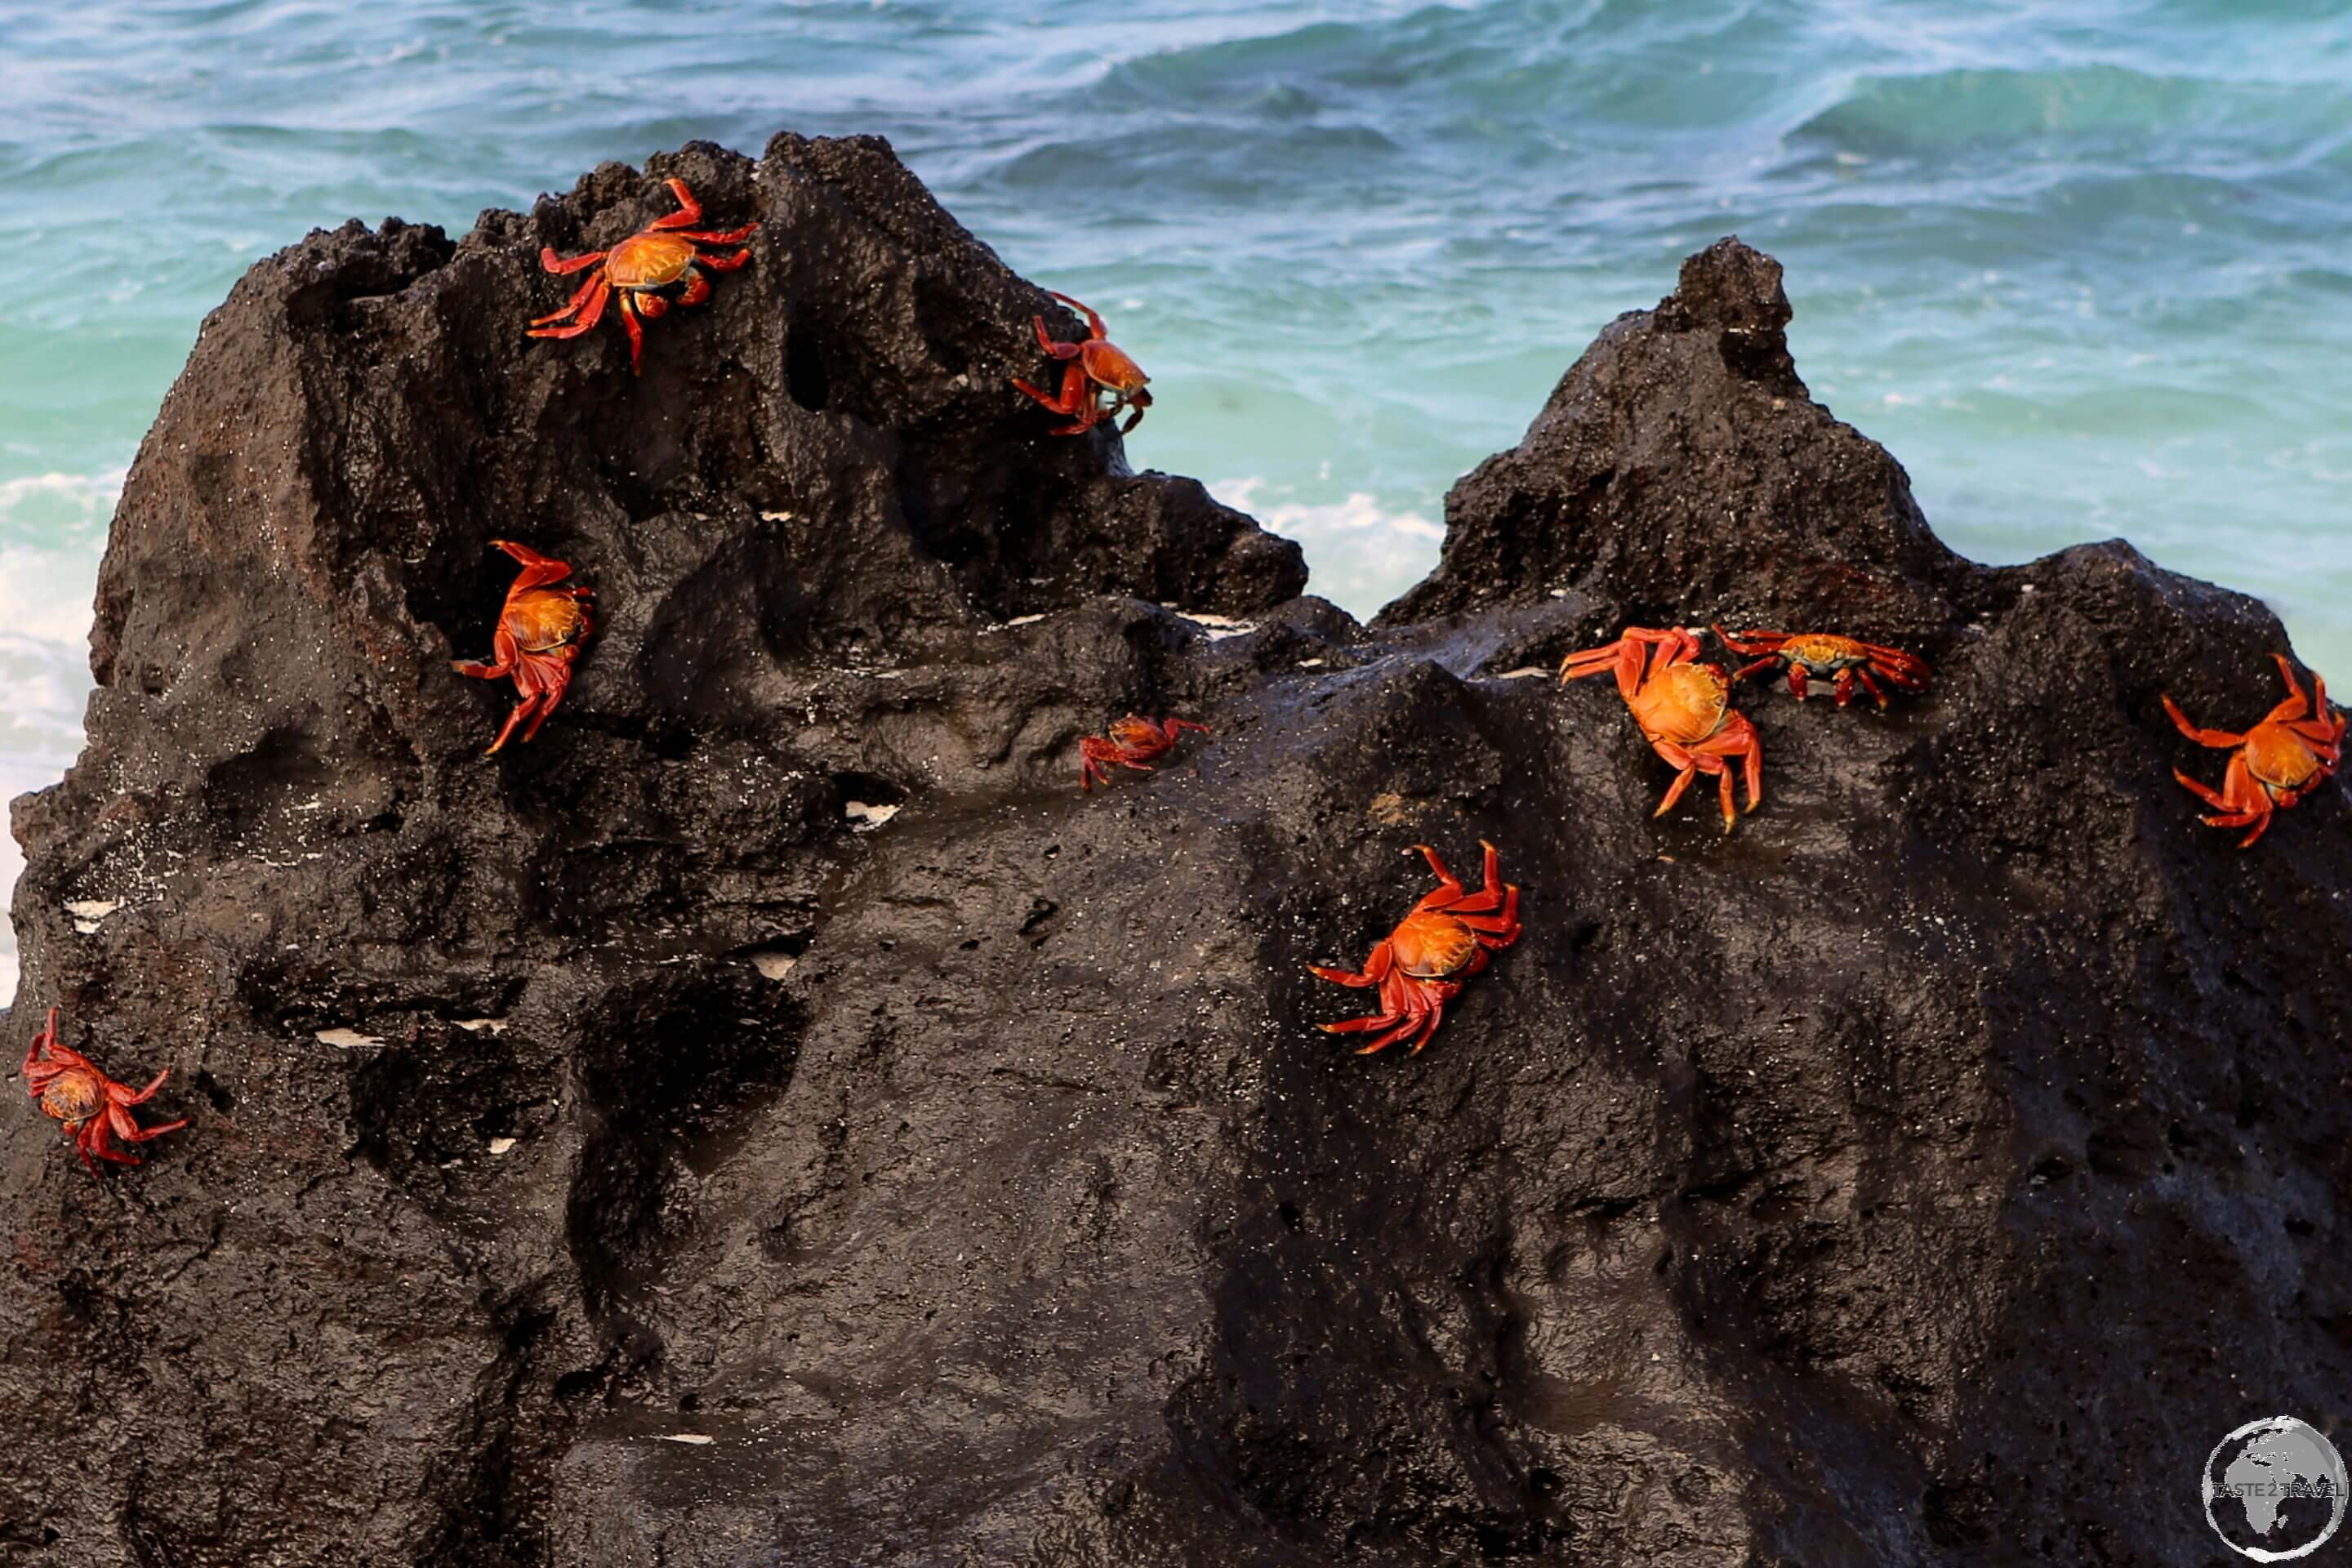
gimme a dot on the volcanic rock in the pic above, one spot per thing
(774, 1118)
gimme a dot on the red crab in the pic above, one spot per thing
(1134, 742)
(2279, 760)
(540, 633)
(1420, 965)
(1683, 707)
(1098, 367)
(88, 1102)
(665, 252)
(1824, 655)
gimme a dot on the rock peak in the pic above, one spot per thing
(1729, 287)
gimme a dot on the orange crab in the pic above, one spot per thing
(89, 1103)
(2279, 760)
(1420, 965)
(1134, 742)
(1683, 706)
(665, 252)
(1824, 655)
(540, 633)
(1098, 367)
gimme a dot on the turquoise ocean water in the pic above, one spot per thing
(2086, 268)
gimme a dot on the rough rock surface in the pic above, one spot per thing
(624, 1151)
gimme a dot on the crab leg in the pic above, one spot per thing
(2260, 819)
(636, 332)
(1073, 398)
(1365, 1024)
(1401, 998)
(1094, 323)
(538, 570)
(526, 672)
(2319, 726)
(1622, 658)
(726, 263)
(729, 237)
(2291, 708)
(1688, 765)
(1449, 885)
(559, 264)
(1490, 870)
(555, 679)
(1752, 643)
(130, 1132)
(1738, 738)
(2241, 800)
(144, 1095)
(1451, 897)
(1907, 670)
(2217, 739)
(92, 1139)
(45, 1041)
(599, 290)
(504, 650)
(1045, 341)
(1508, 920)
(1417, 1020)
(2205, 793)
(688, 209)
(1376, 969)
(513, 718)
(1471, 906)
(1078, 398)
(579, 298)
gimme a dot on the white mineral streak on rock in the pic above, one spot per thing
(88, 913)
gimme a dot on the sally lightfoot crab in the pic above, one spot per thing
(665, 253)
(1684, 708)
(1419, 966)
(1101, 379)
(1823, 655)
(539, 636)
(2278, 762)
(90, 1104)
(1134, 742)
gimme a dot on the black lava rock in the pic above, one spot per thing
(774, 1118)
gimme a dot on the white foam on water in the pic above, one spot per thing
(46, 592)
(1361, 550)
